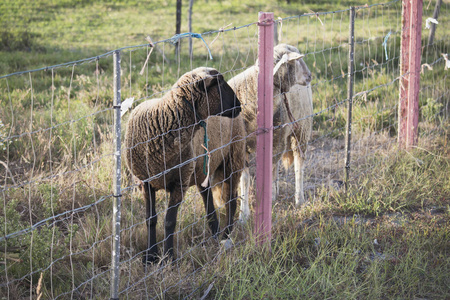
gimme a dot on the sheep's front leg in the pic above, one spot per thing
(299, 170)
(176, 196)
(151, 254)
(245, 190)
(210, 210)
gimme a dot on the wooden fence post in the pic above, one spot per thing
(264, 139)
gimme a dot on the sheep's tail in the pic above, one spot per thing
(288, 159)
(205, 182)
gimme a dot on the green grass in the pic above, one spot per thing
(406, 183)
(405, 263)
(323, 250)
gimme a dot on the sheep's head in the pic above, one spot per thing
(208, 93)
(289, 68)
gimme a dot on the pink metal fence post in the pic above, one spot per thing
(415, 51)
(404, 65)
(264, 139)
(410, 57)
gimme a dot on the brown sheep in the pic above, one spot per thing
(159, 148)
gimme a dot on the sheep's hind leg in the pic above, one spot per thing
(299, 169)
(245, 190)
(210, 210)
(151, 254)
(230, 206)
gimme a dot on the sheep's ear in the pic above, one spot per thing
(284, 59)
(291, 56)
(294, 56)
(208, 82)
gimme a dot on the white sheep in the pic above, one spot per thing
(292, 104)
(162, 143)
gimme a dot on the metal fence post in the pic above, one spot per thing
(415, 51)
(411, 53)
(404, 65)
(116, 182)
(264, 139)
(351, 51)
(437, 8)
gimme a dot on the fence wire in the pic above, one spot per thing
(56, 151)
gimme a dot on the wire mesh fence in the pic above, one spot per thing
(57, 150)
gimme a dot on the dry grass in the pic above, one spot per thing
(386, 238)
(401, 199)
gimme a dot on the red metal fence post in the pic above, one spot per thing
(264, 139)
(404, 65)
(408, 111)
(415, 51)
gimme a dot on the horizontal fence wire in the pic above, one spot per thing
(56, 187)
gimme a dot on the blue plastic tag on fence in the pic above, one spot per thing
(176, 37)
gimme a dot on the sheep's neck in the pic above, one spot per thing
(289, 112)
(205, 137)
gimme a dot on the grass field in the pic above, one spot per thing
(386, 238)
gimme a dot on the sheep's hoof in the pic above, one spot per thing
(227, 244)
(150, 258)
(168, 259)
(243, 219)
(299, 202)
(338, 183)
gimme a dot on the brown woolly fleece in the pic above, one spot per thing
(227, 157)
(159, 131)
